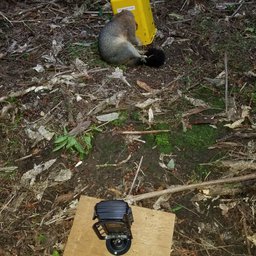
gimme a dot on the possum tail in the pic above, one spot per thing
(154, 58)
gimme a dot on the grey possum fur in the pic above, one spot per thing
(117, 43)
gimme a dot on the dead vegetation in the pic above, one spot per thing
(120, 131)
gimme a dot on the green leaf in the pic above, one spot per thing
(177, 208)
(79, 148)
(65, 130)
(55, 253)
(60, 139)
(71, 142)
(171, 164)
(97, 129)
(42, 238)
(60, 146)
(88, 141)
(100, 12)
(249, 29)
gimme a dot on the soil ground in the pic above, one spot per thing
(188, 99)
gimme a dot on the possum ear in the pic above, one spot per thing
(155, 57)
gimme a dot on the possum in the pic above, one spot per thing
(117, 43)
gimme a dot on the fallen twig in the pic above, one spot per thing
(5, 18)
(141, 132)
(27, 11)
(114, 165)
(136, 175)
(226, 81)
(24, 92)
(133, 199)
(7, 203)
(184, 4)
(24, 158)
(238, 8)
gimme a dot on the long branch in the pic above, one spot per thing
(132, 199)
(141, 132)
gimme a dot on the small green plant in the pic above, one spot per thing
(121, 119)
(253, 97)
(68, 142)
(42, 238)
(189, 61)
(81, 145)
(55, 253)
(198, 138)
(250, 30)
(200, 173)
(25, 56)
(83, 51)
(163, 142)
(135, 115)
(8, 174)
(177, 208)
(231, 7)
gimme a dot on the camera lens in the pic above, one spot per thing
(118, 246)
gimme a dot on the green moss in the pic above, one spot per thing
(200, 173)
(236, 41)
(161, 140)
(206, 94)
(253, 97)
(150, 140)
(163, 143)
(237, 46)
(25, 56)
(121, 120)
(186, 80)
(76, 51)
(84, 52)
(198, 138)
(189, 61)
(135, 115)
(109, 148)
(99, 62)
(42, 239)
(12, 100)
(8, 175)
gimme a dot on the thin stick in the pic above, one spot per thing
(24, 92)
(141, 132)
(226, 80)
(23, 158)
(238, 8)
(114, 165)
(176, 189)
(183, 5)
(136, 175)
(5, 18)
(6, 204)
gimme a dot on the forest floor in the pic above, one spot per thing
(64, 114)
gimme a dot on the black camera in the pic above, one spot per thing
(114, 225)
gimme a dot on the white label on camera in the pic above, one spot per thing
(129, 8)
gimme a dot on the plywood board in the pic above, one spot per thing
(152, 232)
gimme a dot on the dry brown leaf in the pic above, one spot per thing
(115, 191)
(144, 86)
(64, 198)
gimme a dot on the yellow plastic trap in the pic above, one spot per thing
(143, 16)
